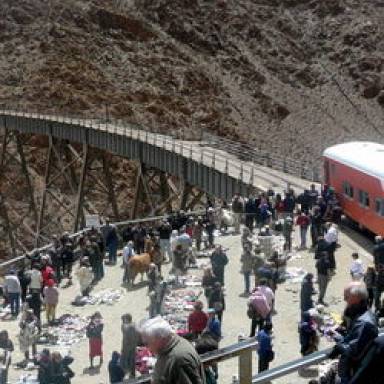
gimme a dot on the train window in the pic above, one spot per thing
(347, 189)
(380, 207)
(364, 198)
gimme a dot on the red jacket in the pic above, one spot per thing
(47, 274)
(197, 321)
(303, 221)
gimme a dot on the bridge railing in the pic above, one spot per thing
(235, 159)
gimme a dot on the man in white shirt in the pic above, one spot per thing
(128, 252)
(12, 290)
(331, 238)
(36, 279)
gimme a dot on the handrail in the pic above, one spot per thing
(76, 234)
(222, 354)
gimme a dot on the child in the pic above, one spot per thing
(266, 354)
(357, 267)
(370, 282)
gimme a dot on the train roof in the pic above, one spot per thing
(362, 155)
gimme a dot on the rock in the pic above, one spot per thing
(380, 98)
(371, 91)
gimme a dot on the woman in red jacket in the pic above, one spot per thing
(197, 320)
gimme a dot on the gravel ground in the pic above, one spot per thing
(235, 322)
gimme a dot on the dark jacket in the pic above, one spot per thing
(116, 373)
(323, 265)
(358, 339)
(178, 363)
(306, 293)
(219, 260)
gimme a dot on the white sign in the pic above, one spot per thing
(92, 221)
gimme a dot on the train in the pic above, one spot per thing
(355, 170)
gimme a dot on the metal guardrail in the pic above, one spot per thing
(18, 259)
(215, 156)
(260, 156)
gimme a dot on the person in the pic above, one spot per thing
(197, 320)
(266, 290)
(177, 360)
(210, 226)
(357, 267)
(129, 344)
(94, 331)
(44, 362)
(12, 290)
(378, 258)
(95, 258)
(247, 264)
(213, 324)
(85, 277)
(47, 272)
(219, 260)
(265, 351)
(165, 231)
(303, 222)
(258, 311)
(34, 303)
(358, 334)
(24, 280)
(157, 257)
(116, 373)
(5, 342)
(51, 299)
(198, 230)
(208, 281)
(153, 277)
(323, 267)
(36, 279)
(179, 260)
(287, 233)
(238, 211)
(111, 240)
(321, 246)
(217, 301)
(246, 238)
(308, 336)
(370, 282)
(67, 258)
(306, 293)
(29, 329)
(331, 237)
(61, 372)
(128, 252)
(316, 225)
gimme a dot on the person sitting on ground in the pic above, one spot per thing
(309, 339)
(116, 373)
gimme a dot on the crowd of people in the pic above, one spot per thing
(178, 240)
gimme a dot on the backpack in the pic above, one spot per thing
(259, 304)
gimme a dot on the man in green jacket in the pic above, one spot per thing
(177, 360)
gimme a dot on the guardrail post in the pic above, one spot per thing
(214, 159)
(241, 171)
(146, 136)
(245, 366)
(190, 152)
(202, 156)
(302, 172)
(226, 166)
(285, 166)
(252, 177)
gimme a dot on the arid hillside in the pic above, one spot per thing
(291, 75)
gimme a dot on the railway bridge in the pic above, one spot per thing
(179, 172)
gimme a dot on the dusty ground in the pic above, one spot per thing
(235, 319)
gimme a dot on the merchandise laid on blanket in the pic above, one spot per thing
(178, 304)
(106, 296)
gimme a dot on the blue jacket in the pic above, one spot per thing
(265, 343)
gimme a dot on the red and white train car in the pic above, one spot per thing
(356, 171)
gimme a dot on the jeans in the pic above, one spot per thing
(14, 301)
(165, 246)
(112, 252)
(247, 281)
(303, 236)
